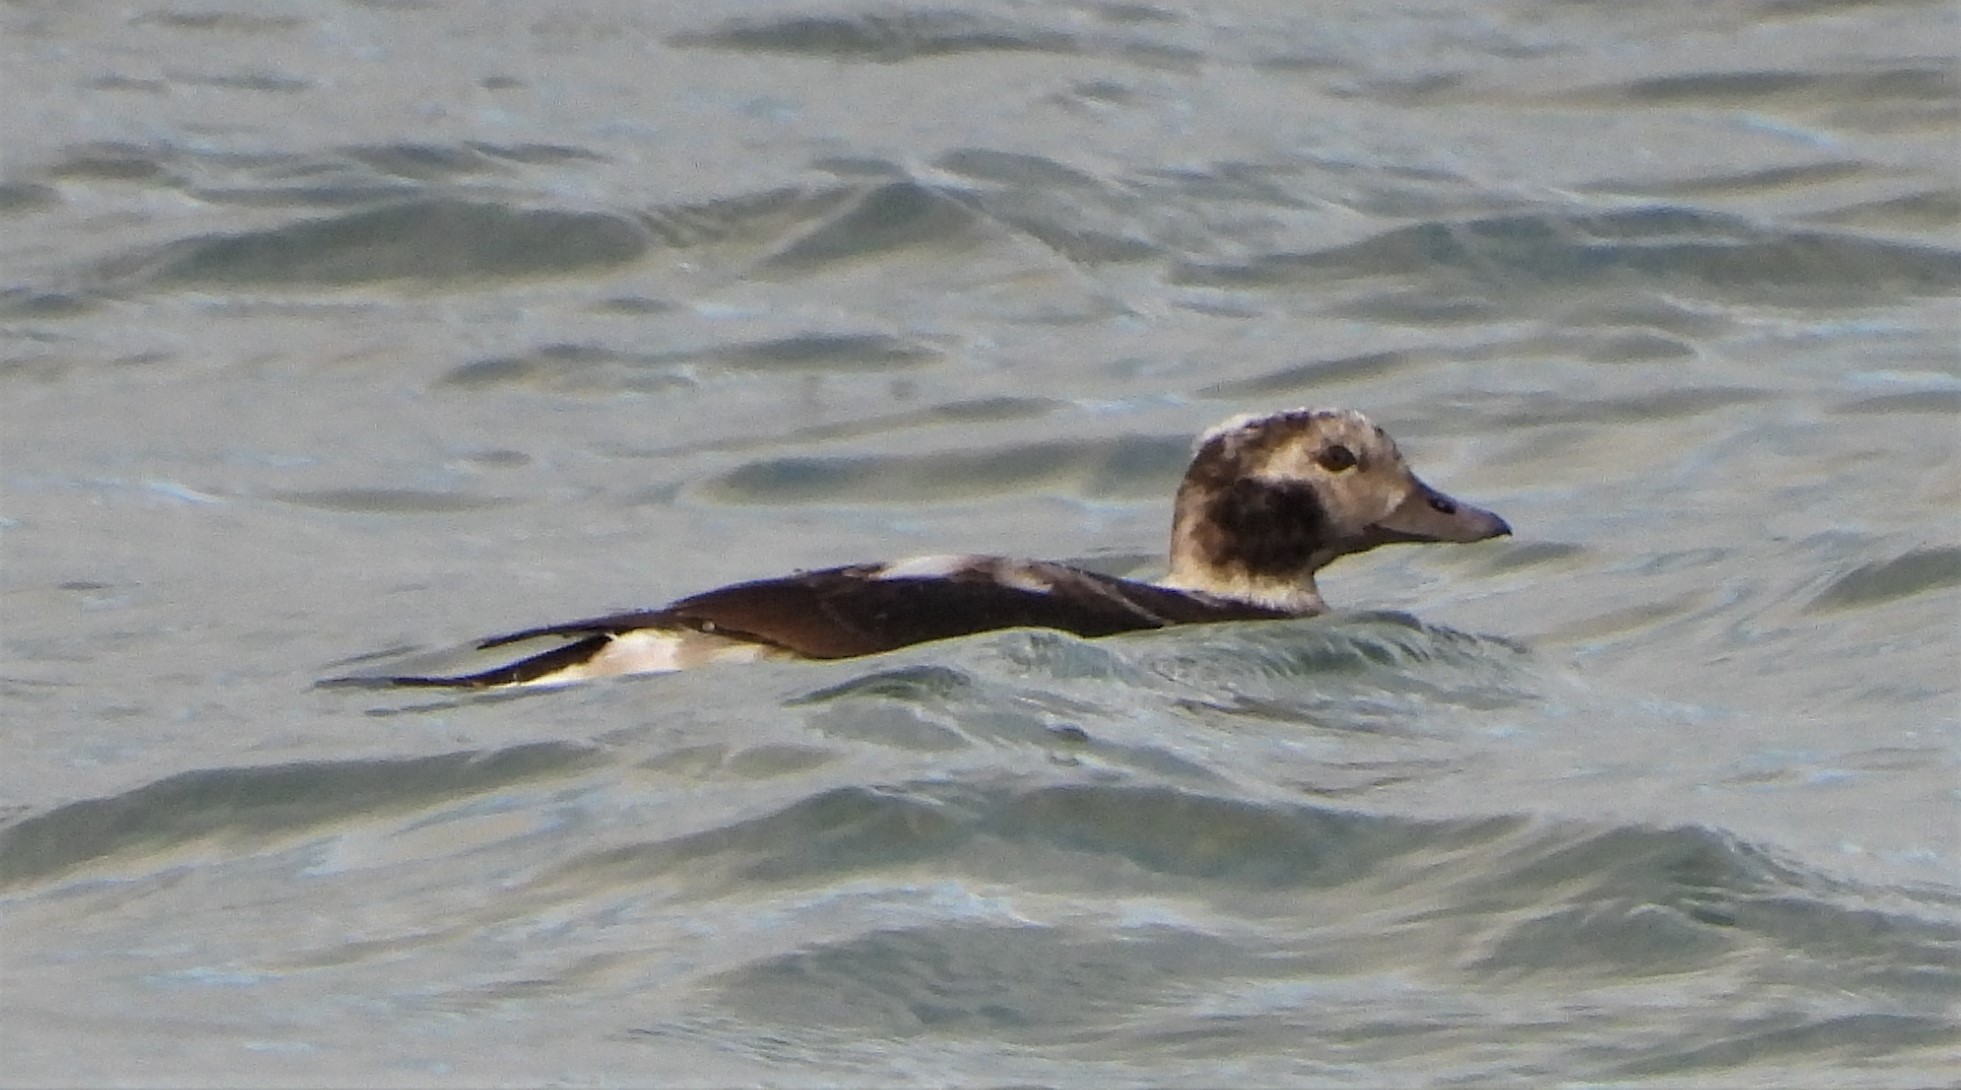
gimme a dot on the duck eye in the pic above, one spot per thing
(1336, 458)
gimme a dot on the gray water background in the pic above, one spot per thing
(331, 331)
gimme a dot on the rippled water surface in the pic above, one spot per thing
(337, 331)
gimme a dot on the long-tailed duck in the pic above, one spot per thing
(1268, 501)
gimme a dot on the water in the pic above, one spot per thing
(343, 331)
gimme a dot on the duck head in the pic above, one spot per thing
(1270, 500)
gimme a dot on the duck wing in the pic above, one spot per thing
(867, 609)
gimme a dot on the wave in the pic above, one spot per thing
(1725, 255)
(1129, 850)
(245, 808)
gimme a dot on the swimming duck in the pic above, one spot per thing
(1268, 501)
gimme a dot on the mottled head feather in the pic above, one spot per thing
(1272, 498)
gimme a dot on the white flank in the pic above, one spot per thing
(657, 651)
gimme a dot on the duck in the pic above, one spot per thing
(1267, 502)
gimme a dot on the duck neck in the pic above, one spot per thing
(1251, 542)
(1296, 597)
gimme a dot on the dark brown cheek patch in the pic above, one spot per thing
(1264, 527)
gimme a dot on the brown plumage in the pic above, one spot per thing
(1266, 503)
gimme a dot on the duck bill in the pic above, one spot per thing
(1429, 515)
